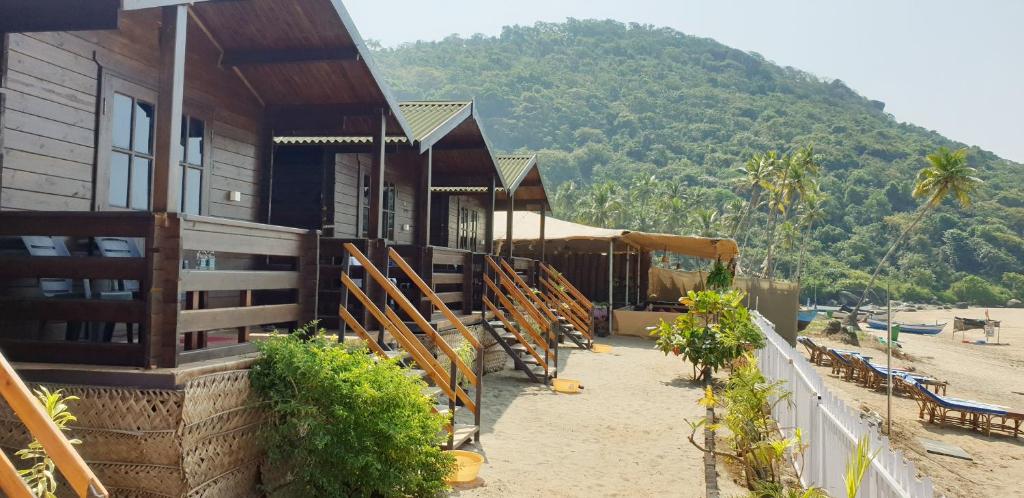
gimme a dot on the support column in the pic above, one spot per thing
(491, 192)
(423, 201)
(376, 230)
(166, 191)
(543, 241)
(629, 256)
(611, 282)
(508, 223)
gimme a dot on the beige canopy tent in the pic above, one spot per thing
(529, 227)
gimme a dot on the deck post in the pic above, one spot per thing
(508, 223)
(424, 198)
(467, 283)
(375, 230)
(166, 191)
(4, 42)
(611, 282)
(491, 193)
(543, 241)
(629, 256)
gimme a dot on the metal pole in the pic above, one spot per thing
(611, 281)
(888, 362)
(628, 250)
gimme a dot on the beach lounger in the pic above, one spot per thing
(972, 414)
(841, 363)
(874, 376)
(818, 356)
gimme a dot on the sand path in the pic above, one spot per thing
(623, 436)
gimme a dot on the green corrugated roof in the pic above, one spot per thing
(426, 117)
(333, 140)
(464, 190)
(514, 167)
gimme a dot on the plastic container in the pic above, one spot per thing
(567, 386)
(601, 348)
(468, 466)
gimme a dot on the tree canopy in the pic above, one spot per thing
(648, 128)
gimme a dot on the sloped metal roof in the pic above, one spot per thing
(430, 121)
(514, 167)
(334, 140)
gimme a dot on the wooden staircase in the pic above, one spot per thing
(406, 340)
(575, 312)
(31, 413)
(524, 325)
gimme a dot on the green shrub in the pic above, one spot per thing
(976, 290)
(715, 331)
(915, 294)
(346, 425)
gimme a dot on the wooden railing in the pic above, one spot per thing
(391, 322)
(31, 413)
(562, 295)
(451, 275)
(510, 299)
(185, 288)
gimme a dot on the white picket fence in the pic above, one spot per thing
(832, 429)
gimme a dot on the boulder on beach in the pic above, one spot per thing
(1013, 303)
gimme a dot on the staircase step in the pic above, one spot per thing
(498, 324)
(416, 372)
(463, 433)
(509, 338)
(401, 355)
(432, 392)
(530, 360)
(444, 409)
(519, 348)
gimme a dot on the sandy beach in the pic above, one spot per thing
(985, 373)
(623, 436)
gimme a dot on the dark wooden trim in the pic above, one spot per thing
(214, 353)
(508, 224)
(128, 5)
(50, 15)
(5, 41)
(75, 224)
(230, 280)
(377, 180)
(492, 190)
(236, 243)
(81, 310)
(173, 29)
(226, 318)
(543, 240)
(234, 58)
(77, 267)
(423, 198)
(462, 181)
(90, 353)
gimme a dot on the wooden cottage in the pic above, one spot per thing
(178, 177)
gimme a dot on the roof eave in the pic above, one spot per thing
(487, 144)
(522, 175)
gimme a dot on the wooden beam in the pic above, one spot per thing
(508, 223)
(25, 16)
(236, 58)
(5, 41)
(462, 181)
(173, 28)
(375, 230)
(153, 4)
(423, 198)
(543, 241)
(492, 196)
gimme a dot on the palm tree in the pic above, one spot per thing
(947, 174)
(811, 213)
(799, 173)
(706, 221)
(756, 172)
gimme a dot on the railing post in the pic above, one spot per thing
(163, 250)
(467, 283)
(424, 265)
(309, 259)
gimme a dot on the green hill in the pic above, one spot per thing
(610, 106)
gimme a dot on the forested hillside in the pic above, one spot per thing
(647, 128)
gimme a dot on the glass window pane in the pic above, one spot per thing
(118, 193)
(184, 138)
(140, 183)
(143, 127)
(121, 122)
(193, 184)
(194, 150)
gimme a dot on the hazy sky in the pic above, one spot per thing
(955, 66)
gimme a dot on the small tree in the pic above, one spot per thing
(41, 477)
(714, 332)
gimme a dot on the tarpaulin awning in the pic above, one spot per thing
(526, 227)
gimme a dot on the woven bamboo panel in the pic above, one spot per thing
(155, 447)
(241, 482)
(221, 453)
(218, 424)
(119, 409)
(157, 479)
(495, 359)
(217, 393)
